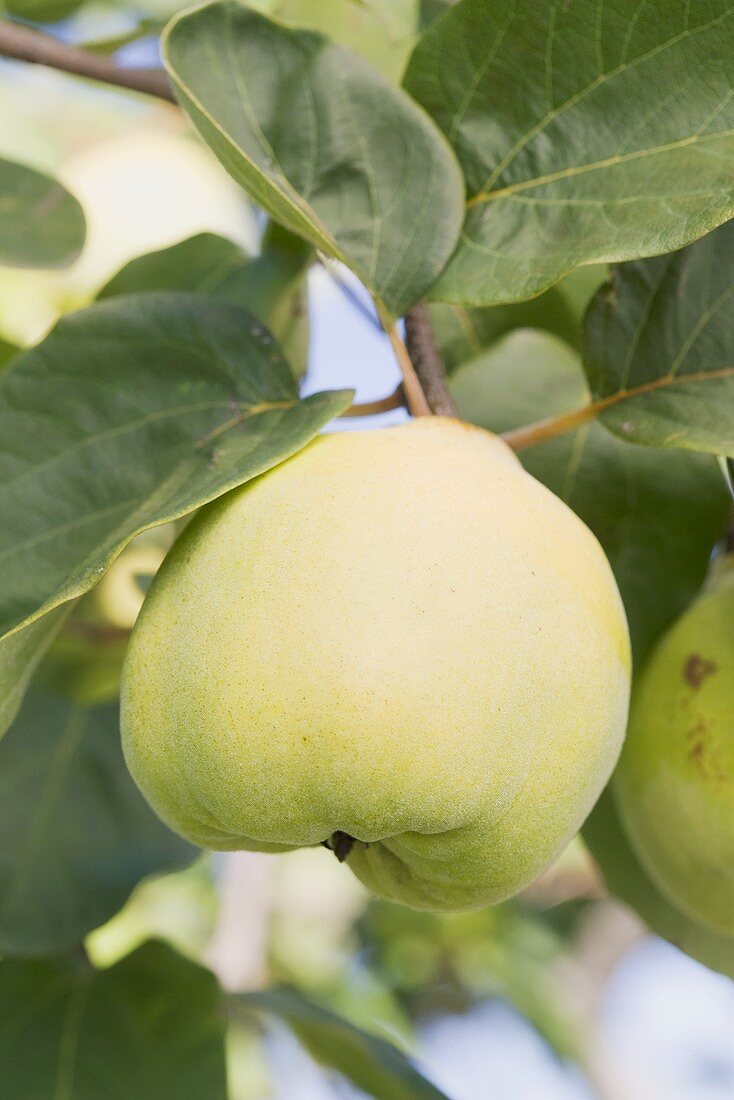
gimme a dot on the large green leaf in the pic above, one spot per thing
(627, 879)
(372, 1064)
(149, 1028)
(383, 31)
(76, 835)
(659, 348)
(41, 224)
(271, 286)
(325, 144)
(19, 657)
(588, 131)
(657, 513)
(131, 413)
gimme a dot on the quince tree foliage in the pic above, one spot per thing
(415, 645)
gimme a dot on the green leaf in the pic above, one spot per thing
(431, 9)
(131, 413)
(657, 513)
(76, 835)
(42, 11)
(41, 224)
(463, 332)
(372, 1064)
(201, 264)
(149, 1028)
(383, 31)
(659, 348)
(271, 286)
(587, 132)
(627, 879)
(326, 145)
(20, 654)
(83, 664)
(8, 351)
(110, 44)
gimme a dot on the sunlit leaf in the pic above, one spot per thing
(131, 413)
(326, 145)
(149, 1028)
(587, 131)
(41, 224)
(76, 835)
(383, 31)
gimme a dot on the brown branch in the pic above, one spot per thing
(394, 400)
(23, 44)
(429, 368)
(416, 399)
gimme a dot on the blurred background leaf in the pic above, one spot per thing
(19, 656)
(272, 286)
(375, 1066)
(75, 833)
(462, 332)
(150, 1027)
(383, 31)
(7, 352)
(41, 224)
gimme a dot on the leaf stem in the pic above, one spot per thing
(543, 430)
(394, 400)
(23, 44)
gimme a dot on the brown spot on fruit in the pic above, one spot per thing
(695, 754)
(697, 668)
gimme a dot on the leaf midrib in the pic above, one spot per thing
(483, 197)
(599, 81)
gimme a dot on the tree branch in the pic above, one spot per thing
(23, 44)
(429, 368)
(415, 397)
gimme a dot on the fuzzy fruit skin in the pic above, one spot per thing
(675, 782)
(399, 635)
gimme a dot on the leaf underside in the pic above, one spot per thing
(332, 150)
